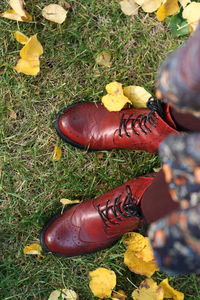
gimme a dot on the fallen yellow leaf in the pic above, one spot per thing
(28, 67)
(129, 7)
(139, 256)
(170, 292)
(17, 6)
(192, 14)
(137, 95)
(32, 49)
(115, 99)
(29, 63)
(17, 12)
(115, 103)
(104, 59)
(67, 201)
(102, 282)
(138, 265)
(12, 15)
(114, 88)
(57, 153)
(21, 38)
(134, 241)
(149, 5)
(54, 13)
(33, 249)
(148, 290)
(168, 8)
(63, 294)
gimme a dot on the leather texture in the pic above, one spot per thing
(90, 125)
(96, 223)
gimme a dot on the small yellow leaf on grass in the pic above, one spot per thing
(129, 7)
(21, 38)
(57, 153)
(67, 201)
(139, 256)
(17, 12)
(148, 290)
(17, 6)
(54, 13)
(104, 59)
(192, 14)
(12, 15)
(29, 63)
(137, 95)
(28, 67)
(63, 294)
(34, 249)
(102, 282)
(168, 8)
(32, 49)
(170, 292)
(149, 5)
(115, 99)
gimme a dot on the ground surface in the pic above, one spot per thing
(32, 184)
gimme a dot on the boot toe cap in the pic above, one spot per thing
(57, 238)
(70, 124)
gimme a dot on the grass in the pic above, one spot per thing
(31, 184)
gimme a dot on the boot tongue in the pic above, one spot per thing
(163, 110)
(155, 106)
(168, 117)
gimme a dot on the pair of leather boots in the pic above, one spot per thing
(98, 223)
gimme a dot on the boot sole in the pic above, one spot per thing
(64, 137)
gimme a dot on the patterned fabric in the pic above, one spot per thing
(179, 83)
(176, 238)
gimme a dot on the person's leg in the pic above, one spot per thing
(185, 121)
(156, 201)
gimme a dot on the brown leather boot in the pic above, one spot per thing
(91, 126)
(96, 223)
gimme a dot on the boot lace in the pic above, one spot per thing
(143, 120)
(128, 209)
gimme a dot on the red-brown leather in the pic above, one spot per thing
(80, 229)
(91, 125)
